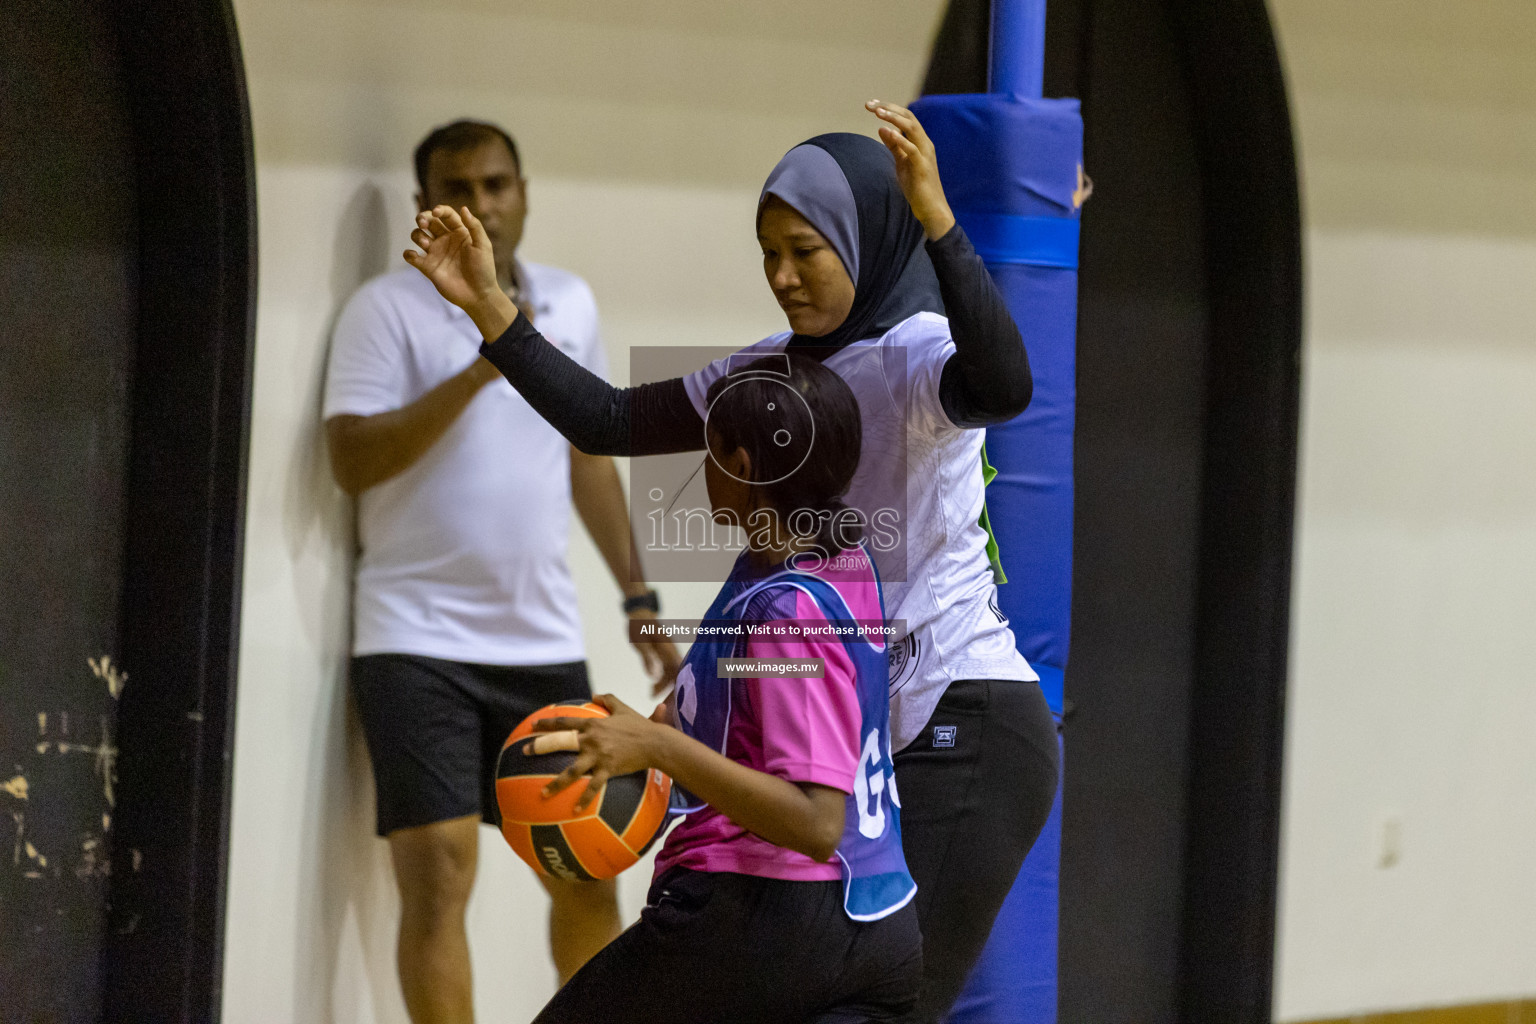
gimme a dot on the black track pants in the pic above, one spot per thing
(976, 787)
(718, 948)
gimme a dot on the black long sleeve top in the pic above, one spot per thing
(986, 381)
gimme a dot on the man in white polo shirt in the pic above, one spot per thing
(465, 614)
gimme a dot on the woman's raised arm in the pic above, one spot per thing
(988, 379)
(595, 416)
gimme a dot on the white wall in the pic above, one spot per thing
(1414, 618)
(646, 128)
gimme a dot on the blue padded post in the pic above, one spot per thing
(1010, 168)
(1018, 48)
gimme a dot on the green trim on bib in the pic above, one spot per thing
(988, 472)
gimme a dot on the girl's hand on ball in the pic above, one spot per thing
(917, 167)
(666, 712)
(622, 743)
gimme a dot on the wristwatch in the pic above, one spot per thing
(648, 600)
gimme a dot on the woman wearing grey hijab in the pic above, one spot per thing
(877, 280)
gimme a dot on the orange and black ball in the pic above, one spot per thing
(549, 833)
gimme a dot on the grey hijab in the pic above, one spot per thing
(846, 186)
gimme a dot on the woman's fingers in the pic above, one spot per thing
(892, 112)
(434, 229)
(917, 166)
(550, 742)
(907, 122)
(446, 220)
(898, 144)
(476, 230)
(899, 116)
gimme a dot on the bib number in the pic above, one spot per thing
(871, 783)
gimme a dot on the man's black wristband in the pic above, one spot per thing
(648, 600)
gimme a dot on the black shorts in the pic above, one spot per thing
(435, 729)
(720, 948)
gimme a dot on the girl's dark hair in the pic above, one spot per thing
(799, 424)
